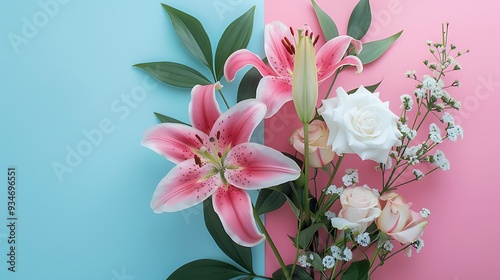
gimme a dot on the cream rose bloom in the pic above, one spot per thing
(360, 207)
(399, 221)
(360, 123)
(320, 154)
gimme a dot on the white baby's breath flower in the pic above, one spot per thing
(435, 133)
(425, 213)
(351, 177)
(429, 83)
(420, 93)
(413, 153)
(388, 246)
(407, 102)
(334, 190)
(440, 160)
(363, 239)
(329, 215)
(347, 254)
(454, 132)
(302, 261)
(456, 104)
(419, 244)
(336, 252)
(448, 119)
(408, 252)
(418, 174)
(328, 262)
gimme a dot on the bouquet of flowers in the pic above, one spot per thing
(344, 231)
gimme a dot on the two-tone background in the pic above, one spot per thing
(73, 112)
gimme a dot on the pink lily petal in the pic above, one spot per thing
(184, 186)
(203, 108)
(277, 55)
(253, 166)
(242, 58)
(176, 142)
(274, 92)
(237, 124)
(235, 211)
(330, 57)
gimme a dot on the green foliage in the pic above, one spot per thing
(205, 269)
(235, 37)
(360, 20)
(174, 74)
(357, 271)
(167, 119)
(248, 85)
(298, 274)
(373, 50)
(328, 26)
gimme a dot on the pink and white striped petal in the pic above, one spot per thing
(176, 142)
(186, 185)
(234, 208)
(237, 124)
(203, 107)
(277, 55)
(330, 57)
(274, 92)
(253, 166)
(242, 58)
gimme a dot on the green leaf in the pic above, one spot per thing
(235, 37)
(206, 269)
(357, 271)
(317, 261)
(360, 20)
(241, 255)
(373, 50)
(174, 74)
(192, 35)
(370, 88)
(167, 119)
(248, 85)
(298, 274)
(306, 235)
(269, 200)
(327, 24)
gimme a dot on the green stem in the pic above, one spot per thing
(223, 98)
(333, 82)
(271, 244)
(306, 172)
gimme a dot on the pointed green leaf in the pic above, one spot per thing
(370, 88)
(298, 274)
(235, 37)
(192, 35)
(357, 271)
(175, 74)
(327, 24)
(306, 235)
(360, 20)
(241, 255)
(167, 119)
(248, 85)
(206, 269)
(373, 50)
(272, 198)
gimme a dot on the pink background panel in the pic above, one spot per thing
(461, 240)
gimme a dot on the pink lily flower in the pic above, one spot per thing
(215, 159)
(275, 88)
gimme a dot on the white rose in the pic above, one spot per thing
(360, 123)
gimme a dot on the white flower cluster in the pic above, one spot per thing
(425, 213)
(334, 190)
(440, 160)
(413, 153)
(453, 131)
(351, 177)
(419, 244)
(407, 102)
(363, 239)
(388, 246)
(418, 174)
(435, 133)
(328, 262)
(303, 261)
(338, 254)
(406, 131)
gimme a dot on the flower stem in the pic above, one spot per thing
(223, 98)
(306, 172)
(333, 82)
(271, 244)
